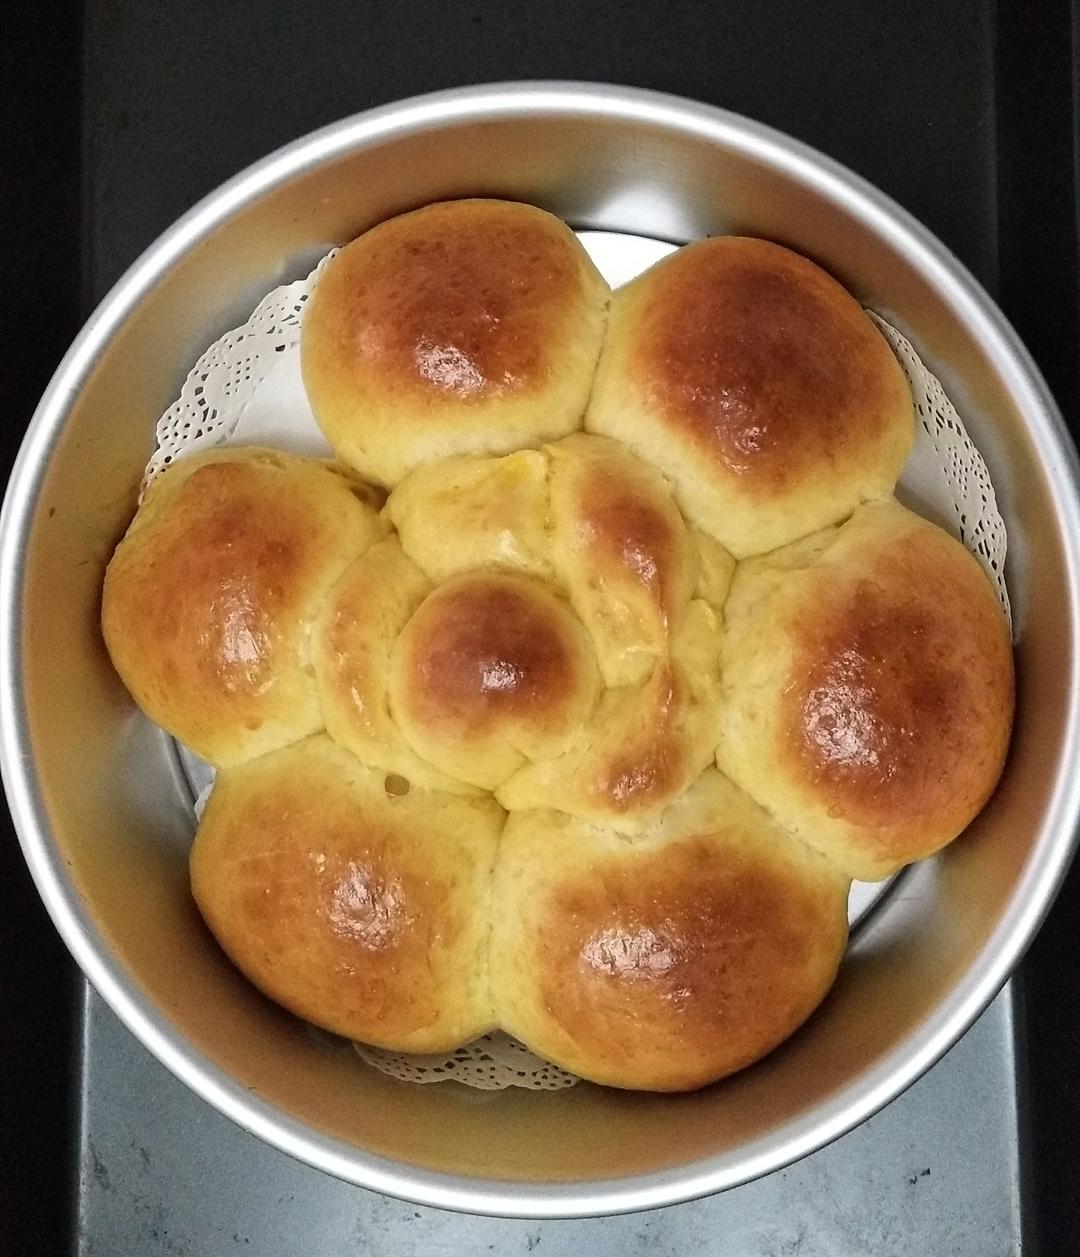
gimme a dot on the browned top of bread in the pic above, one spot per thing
(759, 385)
(744, 345)
(453, 299)
(362, 910)
(870, 688)
(491, 667)
(465, 326)
(208, 598)
(671, 961)
(901, 683)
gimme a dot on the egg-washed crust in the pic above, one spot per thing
(868, 689)
(465, 326)
(209, 596)
(754, 381)
(670, 962)
(555, 618)
(362, 910)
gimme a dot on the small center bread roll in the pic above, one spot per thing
(491, 670)
(668, 962)
(361, 909)
(868, 688)
(209, 598)
(468, 326)
(351, 645)
(755, 382)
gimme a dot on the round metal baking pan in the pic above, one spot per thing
(104, 816)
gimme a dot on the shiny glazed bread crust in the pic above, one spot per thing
(669, 962)
(868, 688)
(362, 910)
(209, 598)
(464, 327)
(755, 382)
(468, 742)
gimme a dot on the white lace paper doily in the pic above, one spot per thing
(246, 389)
(492, 1063)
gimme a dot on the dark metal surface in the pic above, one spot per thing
(1038, 176)
(962, 112)
(179, 97)
(39, 315)
(162, 1173)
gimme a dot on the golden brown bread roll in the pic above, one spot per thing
(868, 688)
(668, 962)
(491, 670)
(465, 327)
(758, 385)
(364, 911)
(209, 597)
(560, 622)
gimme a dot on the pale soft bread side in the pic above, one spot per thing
(465, 513)
(352, 643)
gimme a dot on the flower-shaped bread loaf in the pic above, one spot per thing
(510, 739)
